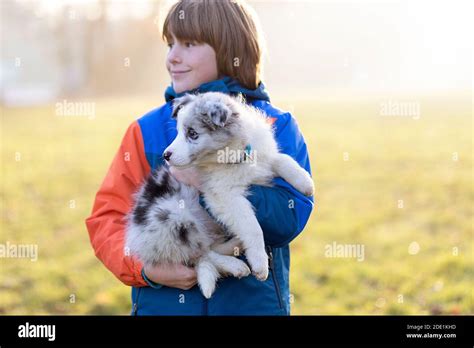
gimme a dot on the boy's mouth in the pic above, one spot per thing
(179, 72)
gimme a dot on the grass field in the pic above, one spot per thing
(398, 186)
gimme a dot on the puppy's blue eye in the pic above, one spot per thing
(192, 134)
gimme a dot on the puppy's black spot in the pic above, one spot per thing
(154, 189)
(162, 215)
(185, 231)
(178, 104)
(218, 116)
(228, 238)
(183, 234)
(174, 114)
(139, 214)
(207, 123)
(214, 123)
(157, 185)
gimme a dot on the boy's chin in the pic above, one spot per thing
(177, 89)
(180, 87)
(183, 86)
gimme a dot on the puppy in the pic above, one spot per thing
(232, 146)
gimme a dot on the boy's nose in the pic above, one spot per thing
(173, 56)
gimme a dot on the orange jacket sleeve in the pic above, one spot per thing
(113, 201)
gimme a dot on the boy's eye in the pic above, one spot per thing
(192, 134)
(186, 44)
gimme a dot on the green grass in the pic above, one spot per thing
(390, 159)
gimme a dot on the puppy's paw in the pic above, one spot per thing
(240, 269)
(207, 288)
(259, 264)
(233, 266)
(207, 277)
(261, 273)
(305, 184)
(309, 191)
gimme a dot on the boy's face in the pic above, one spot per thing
(190, 64)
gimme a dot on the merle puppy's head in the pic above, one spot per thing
(206, 123)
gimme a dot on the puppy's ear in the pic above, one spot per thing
(178, 104)
(220, 114)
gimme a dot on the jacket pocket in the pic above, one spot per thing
(274, 276)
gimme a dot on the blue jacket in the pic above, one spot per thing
(281, 211)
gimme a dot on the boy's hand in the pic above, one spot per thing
(173, 276)
(188, 176)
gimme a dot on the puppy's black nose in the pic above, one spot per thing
(167, 155)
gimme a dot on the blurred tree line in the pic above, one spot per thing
(99, 48)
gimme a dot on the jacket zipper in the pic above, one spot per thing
(275, 279)
(135, 303)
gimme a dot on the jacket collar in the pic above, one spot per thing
(226, 85)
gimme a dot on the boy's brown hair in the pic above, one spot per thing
(230, 27)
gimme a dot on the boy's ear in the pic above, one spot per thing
(178, 104)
